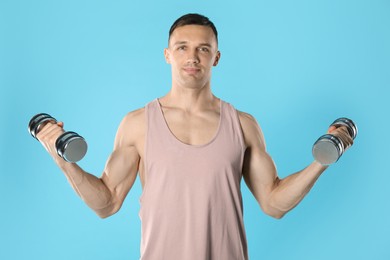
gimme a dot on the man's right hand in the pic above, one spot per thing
(48, 136)
(342, 133)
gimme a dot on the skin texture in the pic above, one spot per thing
(192, 114)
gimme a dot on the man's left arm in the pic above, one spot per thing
(277, 196)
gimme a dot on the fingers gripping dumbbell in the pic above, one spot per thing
(70, 146)
(329, 148)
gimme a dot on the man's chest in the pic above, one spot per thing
(192, 129)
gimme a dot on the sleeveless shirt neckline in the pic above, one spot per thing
(177, 140)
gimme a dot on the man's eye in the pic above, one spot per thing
(204, 49)
(181, 48)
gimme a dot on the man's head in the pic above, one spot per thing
(192, 50)
(193, 19)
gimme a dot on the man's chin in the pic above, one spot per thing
(194, 84)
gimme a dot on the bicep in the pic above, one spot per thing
(122, 166)
(259, 170)
(259, 173)
(121, 171)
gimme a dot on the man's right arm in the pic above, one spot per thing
(106, 194)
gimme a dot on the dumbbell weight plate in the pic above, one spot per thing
(71, 147)
(61, 140)
(38, 121)
(327, 149)
(75, 149)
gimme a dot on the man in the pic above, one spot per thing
(191, 150)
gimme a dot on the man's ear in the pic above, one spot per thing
(166, 55)
(217, 58)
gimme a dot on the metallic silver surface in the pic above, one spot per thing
(327, 149)
(37, 122)
(61, 141)
(70, 146)
(75, 149)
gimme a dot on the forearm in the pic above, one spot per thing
(288, 192)
(90, 188)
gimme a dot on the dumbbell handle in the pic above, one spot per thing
(69, 145)
(350, 125)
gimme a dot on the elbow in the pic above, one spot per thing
(276, 209)
(107, 211)
(278, 215)
(274, 212)
(102, 215)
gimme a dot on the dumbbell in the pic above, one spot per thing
(329, 148)
(70, 146)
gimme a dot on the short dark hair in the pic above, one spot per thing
(193, 19)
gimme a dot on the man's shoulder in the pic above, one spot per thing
(135, 115)
(135, 118)
(246, 119)
(251, 129)
(132, 127)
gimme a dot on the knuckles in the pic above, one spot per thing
(342, 133)
(49, 133)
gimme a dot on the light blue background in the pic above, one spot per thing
(294, 65)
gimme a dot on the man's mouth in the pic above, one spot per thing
(191, 70)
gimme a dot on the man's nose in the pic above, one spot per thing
(193, 57)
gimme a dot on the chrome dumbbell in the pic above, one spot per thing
(329, 148)
(70, 146)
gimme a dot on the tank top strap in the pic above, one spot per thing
(231, 126)
(155, 120)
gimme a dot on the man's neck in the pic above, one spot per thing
(189, 99)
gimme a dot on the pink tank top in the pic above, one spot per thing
(191, 205)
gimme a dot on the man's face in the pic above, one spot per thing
(192, 52)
